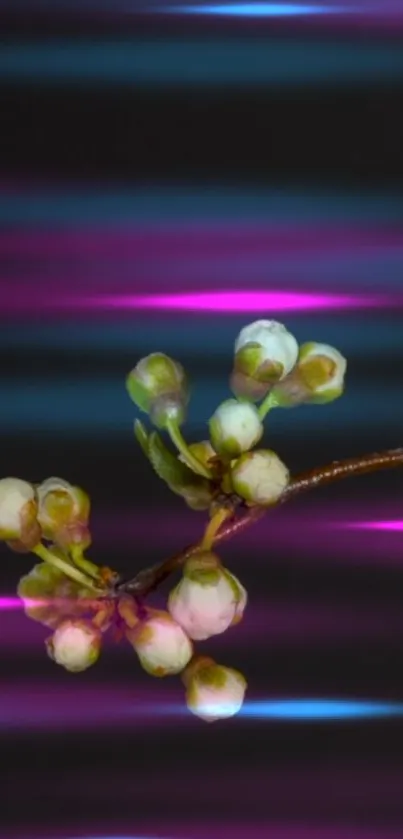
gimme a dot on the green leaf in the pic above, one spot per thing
(141, 436)
(167, 465)
(195, 489)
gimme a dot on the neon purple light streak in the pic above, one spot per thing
(229, 302)
(393, 526)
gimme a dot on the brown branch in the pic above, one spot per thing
(149, 579)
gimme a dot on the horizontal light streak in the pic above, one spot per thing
(260, 10)
(197, 61)
(58, 205)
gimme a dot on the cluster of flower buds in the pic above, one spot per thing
(68, 594)
(269, 367)
(268, 359)
(206, 602)
(53, 510)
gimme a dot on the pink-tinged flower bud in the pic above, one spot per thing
(260, 477)
(213, 692)
(208, 599)
(235, 427)
(265, 352)
(161, 644)
(317, 378)
(159, 387)
(18, 511)
(63, 513)
(75, 645)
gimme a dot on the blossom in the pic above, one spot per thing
(265, 352)
(63, 512)
(208, 599)
(317, 378)
(18, 507)
(235, 427)
(158, 386)
(161, 644)
(322, 369)
(260, 477)
(213, 692)
(75, 645)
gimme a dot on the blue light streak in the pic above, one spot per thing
(320, 709)
(259, 10)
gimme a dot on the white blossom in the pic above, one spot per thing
(259, 477)
(75, 645)
(17, 497)
(322, 369)
(276, 345)
(215, 692)
(161, 644)
(235, 427)
(207, 600)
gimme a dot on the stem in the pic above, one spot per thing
(150, 578)
(182, 446)
(268, 403)
(84, 564)
(210, 533)
(68, 570)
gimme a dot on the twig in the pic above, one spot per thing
(149, 579)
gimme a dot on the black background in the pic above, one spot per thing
(185, 778)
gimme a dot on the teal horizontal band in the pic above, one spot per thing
(197, 61)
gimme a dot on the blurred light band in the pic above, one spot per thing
(195, 61)
(260, 10)
(229, 302)
(91, 707)
(60, 205)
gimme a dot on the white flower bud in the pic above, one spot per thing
(214, 692)
(75, 645)
(265, 352)
(159, 387)
(17, 505)
(63, 512)
(322, 369)
(208, 599)
(259, 477)
(235, 427)
(161, 644)
(317, 378)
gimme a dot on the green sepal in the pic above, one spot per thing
(141, 436)
(138, 393)
(180, 479)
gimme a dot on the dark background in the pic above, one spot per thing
(79, 160)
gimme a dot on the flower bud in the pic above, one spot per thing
(208, 599)
(161, 644)
(18, 510)
(50, 597)
(213, 692)
(158, 386)
(235, 427)
(260, 477)
(64, 513)
(317, 378)
(265, 352)
(75, 645)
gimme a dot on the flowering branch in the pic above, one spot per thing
(226, 475)
(149, 579)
